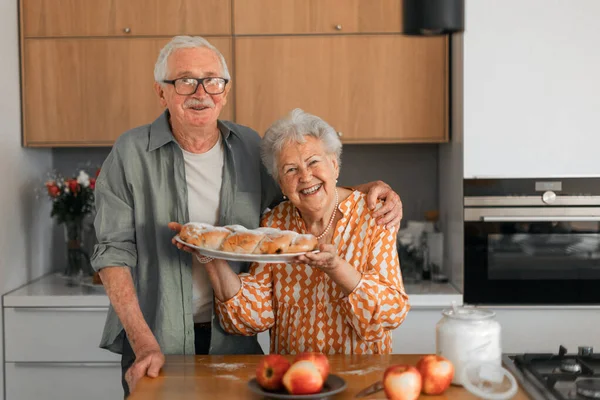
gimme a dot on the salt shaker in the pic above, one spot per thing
(467, 334)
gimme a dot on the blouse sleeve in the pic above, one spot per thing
(250, 311)
(379, 302)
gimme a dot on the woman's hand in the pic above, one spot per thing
(326, 260)
(338, 269)
(176, 227)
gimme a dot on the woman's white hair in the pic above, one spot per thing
(293, 128)
(184, 42)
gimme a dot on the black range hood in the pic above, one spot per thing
(433, 17)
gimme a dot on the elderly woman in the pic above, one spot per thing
(345, 298)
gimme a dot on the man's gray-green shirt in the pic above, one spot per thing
(140, 189)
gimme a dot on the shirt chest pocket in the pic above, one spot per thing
(246, 209)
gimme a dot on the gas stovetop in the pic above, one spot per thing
(559, 376)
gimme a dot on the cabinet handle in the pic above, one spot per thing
(340, 134)
(338, 27)
(61, 309)
(126, 30)
(67, 364)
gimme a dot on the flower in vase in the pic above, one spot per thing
(72, 198)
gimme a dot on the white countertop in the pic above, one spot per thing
(427, 294)
(54, 291)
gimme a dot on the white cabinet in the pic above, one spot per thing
(531, 88)
(66, 334)
(53, 353)
(416, 335)
(51, 336)
(63, 381)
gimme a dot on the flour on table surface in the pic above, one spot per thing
(231, 377)
(364, 371)
(227, 366)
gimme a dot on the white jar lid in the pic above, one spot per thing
(468, 313)
(489, 381)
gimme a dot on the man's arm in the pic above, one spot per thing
(114, 257)
(120, 290)
(148, 357)
(390, 214)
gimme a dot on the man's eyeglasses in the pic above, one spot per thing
(187, 86)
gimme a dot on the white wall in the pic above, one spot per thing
(25, 220)
(531, 89)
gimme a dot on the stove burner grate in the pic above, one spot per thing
(571, 366)
(589, 388)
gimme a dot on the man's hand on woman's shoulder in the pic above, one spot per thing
(390, 214)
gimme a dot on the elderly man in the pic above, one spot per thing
(185, 166)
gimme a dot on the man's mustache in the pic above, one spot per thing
(192, 103)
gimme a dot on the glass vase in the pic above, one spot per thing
(78, 261)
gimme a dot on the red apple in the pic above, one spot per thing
(303, 377)
(319, 359)
(402, 382)
(270, 371)
(436, 372)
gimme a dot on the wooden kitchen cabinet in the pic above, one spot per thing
(87, 92)
(70, 18)
(256, 17)
(371, 88)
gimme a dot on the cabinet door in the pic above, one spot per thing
(64, 381)
(416, 335)
(316, 16)
(125, 17)
(89, 91)
(372, 89)
(64, 334)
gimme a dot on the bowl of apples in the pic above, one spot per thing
(306, 377)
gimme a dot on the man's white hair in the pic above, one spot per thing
(184, 42)
(294, 128)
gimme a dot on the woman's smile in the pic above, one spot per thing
(311, 190)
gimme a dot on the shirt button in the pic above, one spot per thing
(319, 306)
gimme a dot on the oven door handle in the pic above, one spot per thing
(548, 218)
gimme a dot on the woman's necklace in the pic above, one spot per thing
(331, 219)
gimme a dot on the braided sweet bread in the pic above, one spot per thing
(237, 239)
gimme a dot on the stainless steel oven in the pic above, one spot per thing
(532, 241)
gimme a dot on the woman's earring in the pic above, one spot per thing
(284, 197)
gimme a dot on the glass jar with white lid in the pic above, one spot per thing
(467, 335)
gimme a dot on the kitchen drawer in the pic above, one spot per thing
(416, 335)
(63, 381)
(55, 334)
(280, 17)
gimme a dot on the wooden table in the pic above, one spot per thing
(226, 377)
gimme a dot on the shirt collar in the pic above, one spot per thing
(161, 133)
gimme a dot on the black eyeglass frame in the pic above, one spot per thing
(199, 81)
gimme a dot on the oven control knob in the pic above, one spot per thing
(585, 351)
(549, 197)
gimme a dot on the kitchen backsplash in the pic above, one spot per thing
(411, 170)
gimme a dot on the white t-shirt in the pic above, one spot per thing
(203, 176)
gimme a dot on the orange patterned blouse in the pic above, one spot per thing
(305, 310)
